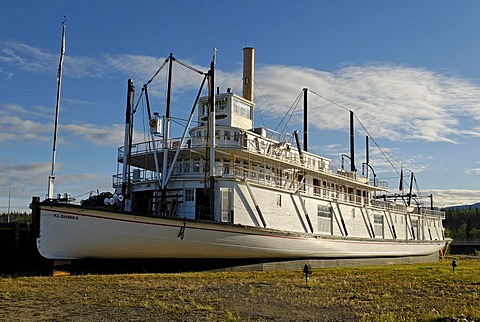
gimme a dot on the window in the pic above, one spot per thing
(189, 195)
(196, 165)
(316, 187)
(226, 167)
(242, 109)
(205, 108)
(378, 225)
(324, 219)
(186, 166)
(225, 205)
(279, 200)
(227, 135)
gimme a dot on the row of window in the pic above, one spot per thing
(227, 135)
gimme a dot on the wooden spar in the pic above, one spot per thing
(299, 146)
(127, 146)
(166, 133)
(352, 144)
(410, 191)
(257, 207)
(182, 140)
(155, 155)
(51, 178)
(409, 202)
(212, 134)
(302, 203)
(367, 155)
(305, 120)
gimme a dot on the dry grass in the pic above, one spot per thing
(424, 292)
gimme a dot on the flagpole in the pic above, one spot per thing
(51, 178)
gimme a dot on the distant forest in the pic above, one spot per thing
(462, 224)
(16, 217)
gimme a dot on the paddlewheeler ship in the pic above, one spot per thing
(229, 190)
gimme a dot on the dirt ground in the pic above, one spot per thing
(423, 292)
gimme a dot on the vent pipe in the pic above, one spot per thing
(248, 71)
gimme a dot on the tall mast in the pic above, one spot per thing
(51, 178)
(305, 120)
(127, 145)
(166, 133)
(212, 133)
(352, 144)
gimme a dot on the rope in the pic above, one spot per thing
(385, 154)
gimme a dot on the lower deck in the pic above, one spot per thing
(249, 203)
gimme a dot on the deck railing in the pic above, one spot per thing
(287, 181)
(280, 151)
(430, 212)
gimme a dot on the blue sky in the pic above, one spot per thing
(408, 69)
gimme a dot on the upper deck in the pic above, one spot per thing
(234, 145)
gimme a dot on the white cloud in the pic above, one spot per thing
(98, 135)
(400, 103)
(473, 171)
(395, 102)
(453, 197)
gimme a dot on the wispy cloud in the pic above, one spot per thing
(16, 129)
(401, 103)
(25, 57)
(97, 135)
(30, 179)
(395, 102)
(452, 197)
(473, 171)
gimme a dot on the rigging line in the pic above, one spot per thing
(186, 74)
(291, 114)
(190, 67)
(266, 99)
(158, 71)
(138, 101)
(295, 102)
(329, 100)
(182, 119)
(385, 154)
(176, 122)
(241, 79)
(293, 106)
(418, 190)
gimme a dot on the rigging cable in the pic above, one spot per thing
(386, 155)
(293, 106)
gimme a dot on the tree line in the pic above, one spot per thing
(462, 224)
(22, 217)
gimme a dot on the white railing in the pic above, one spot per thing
(430, 212)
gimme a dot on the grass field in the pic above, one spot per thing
(420, 292)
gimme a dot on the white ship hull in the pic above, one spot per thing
(76, 233)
